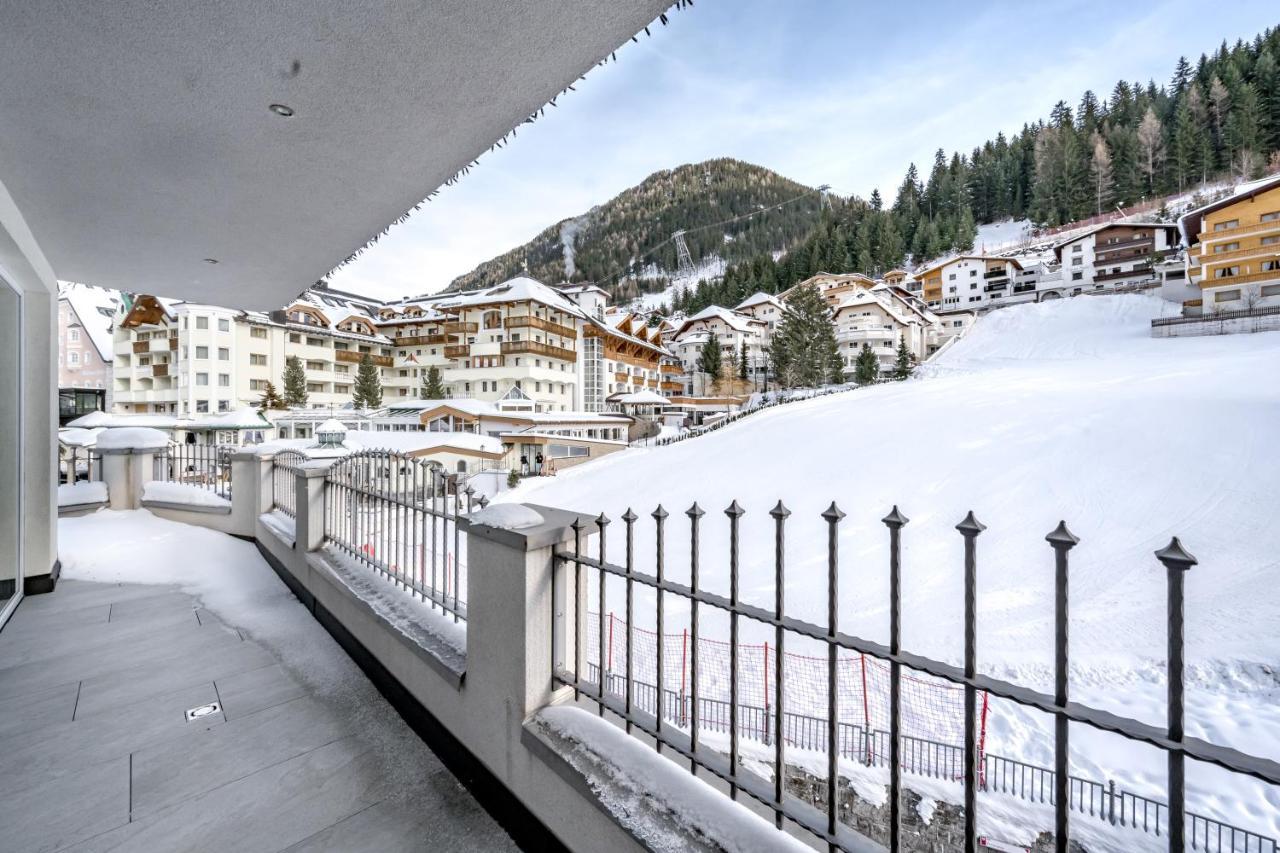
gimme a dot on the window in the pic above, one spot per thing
(1075, 262)
(202, 379)
(951, 277)
(224, 325)
(973, 285)
(1271, 290)
(203, 323)
(1270, 266)
(257, 359)
(202, 352)
(1226, 272)
(224, 380)
(1273, 216)
(224, 405)
(972, 273)
(1271, 241)
(1224, 226)
(257, 332)
(1076, 249)
(74, 358)
(295, 338)
(319, 342)
(202, 406)
(257, 384)
(73, 335)
(1226, 296)
(224, 354)
(1226, 247)
(1076, 276)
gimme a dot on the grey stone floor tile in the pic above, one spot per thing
(128, 637)
(82, 743)
(23, 623)
(266, 811)
(73, 595)
(55, 810)
(249, 692)
(186, 766)
(200, 664)
(411, 824)
(34, 711)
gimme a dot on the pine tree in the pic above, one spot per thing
(1100, 169)
(432, 386)
(295, 382)
(368, 388)
(271, 398)
(804, 349)
(709, 360)
(743, 368)
(866, 368)
(903, 364)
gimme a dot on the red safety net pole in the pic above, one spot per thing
(684, 657)
(982, 743)
(866, 710)
(764, 724)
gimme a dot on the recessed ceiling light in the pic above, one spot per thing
(210, 260)
(281, 110)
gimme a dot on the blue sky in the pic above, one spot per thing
(837, 92)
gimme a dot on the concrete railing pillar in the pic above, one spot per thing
(117, 473)
(309, 506)
(511, 616)
(250, 490)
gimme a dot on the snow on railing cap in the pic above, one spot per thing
(507, 517)
(132, 438)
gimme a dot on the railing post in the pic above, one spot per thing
(250, 490)
(895, 521)
(309, 506)
(1062, 540)
(969, 528)
(1177, 561)
(516, 624)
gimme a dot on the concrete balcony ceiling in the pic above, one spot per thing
(140, 138)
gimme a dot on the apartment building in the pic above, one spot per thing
(763, 306)
(1117, 255)
(733, 330)
(187, 358)
(85, 351)
(630, 355)
(1234, 249)
(833, 287)
(883, 317)
(967, 281)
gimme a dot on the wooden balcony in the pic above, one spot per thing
(458, 327)
(420, 340)
(1123, 244)
(671, 369)
(676, 387)
(1231, 280)
(1114, 257)
(459, 350)
(1273, 225)
(536, 348)
(159, 370)
(529, 321)
(622, 377)
(354, 357)
(1136, 271)
(142, 346)
(1263, 252)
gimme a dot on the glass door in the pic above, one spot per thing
(10, 449)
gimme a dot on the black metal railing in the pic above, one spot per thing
(1242, 314)
(399, 516)
(934, 759)
(203, 466)
(681, 734)
(284, 483)
(77, 464)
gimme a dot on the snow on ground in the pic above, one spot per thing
(994, 236)
(182, 493)
(1061, 410)
(83, 492)
(230, 579)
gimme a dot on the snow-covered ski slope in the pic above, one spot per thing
(1060, 410)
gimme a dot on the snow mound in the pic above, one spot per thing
(182, 493)
(84, 492)
(507, 517)
(132, 438)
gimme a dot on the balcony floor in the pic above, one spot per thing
(96, 753)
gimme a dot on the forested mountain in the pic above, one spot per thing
(1218, 118)
(633, 230)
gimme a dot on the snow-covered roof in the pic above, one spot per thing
(78, 437)
(243, 418)
(96, 308)
(117, 421)
(518, 289)
(733, 319)
(643, 398)
(759, 298)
